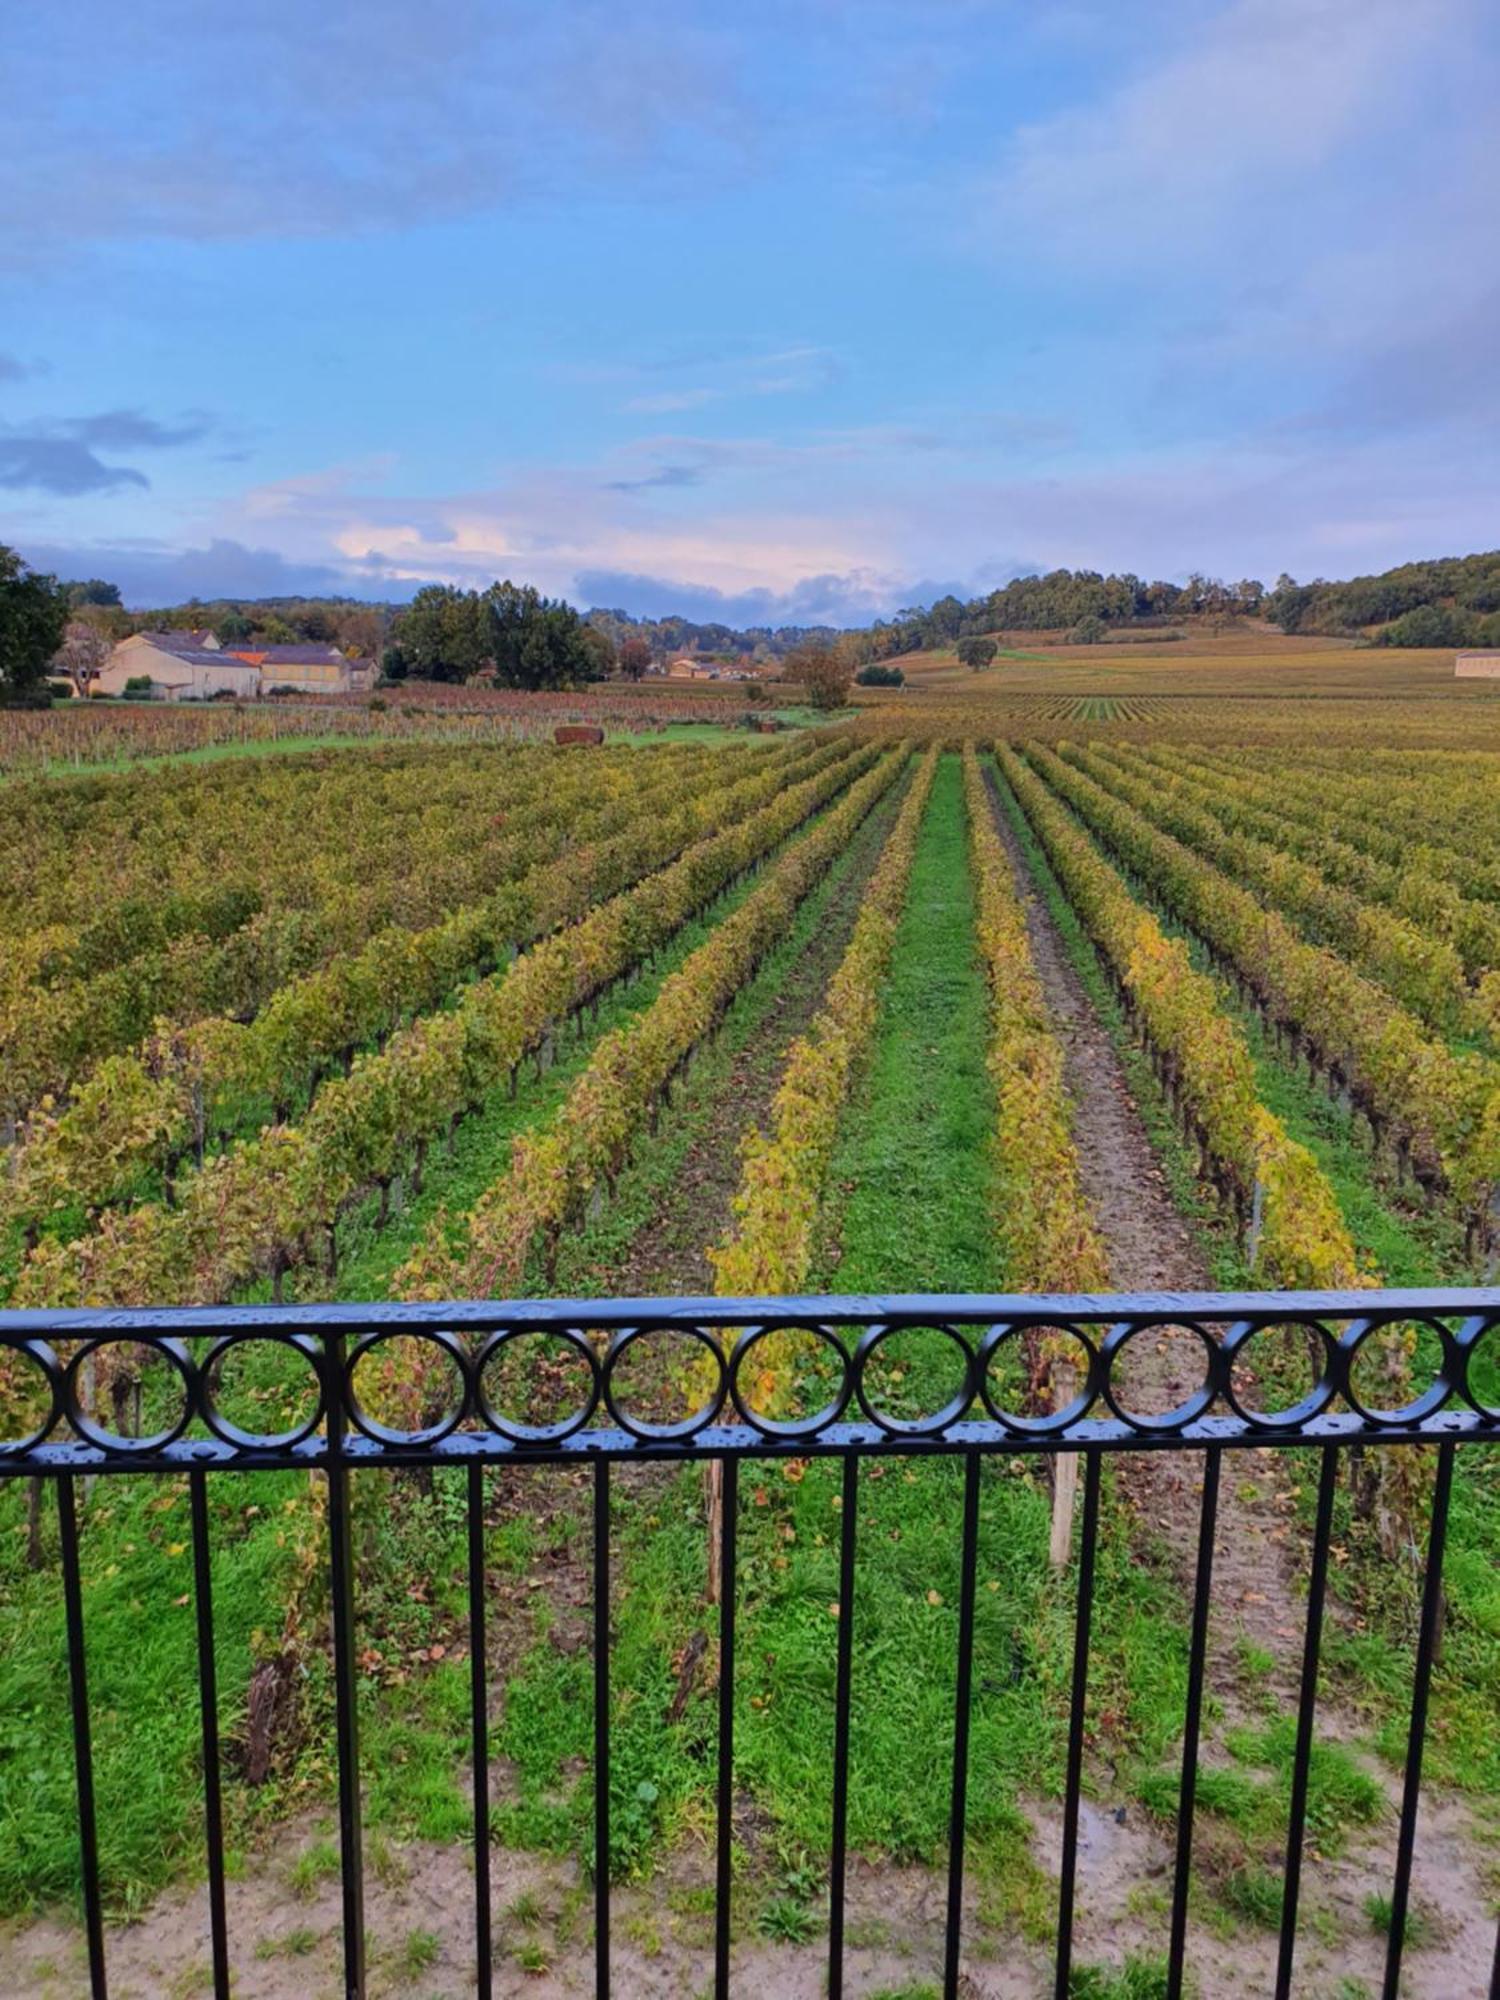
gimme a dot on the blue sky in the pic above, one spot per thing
(796, 312)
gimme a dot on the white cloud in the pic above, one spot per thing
(1242, 111)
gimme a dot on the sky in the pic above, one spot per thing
(792, 313)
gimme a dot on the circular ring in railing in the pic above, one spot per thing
(1351, 1344)
(1467, 1342)
(578, 1348)
(799, 1427)
(870, 1343)
(1236, 1343)
(210, 1388)
(38, 1359)
(1001, 1336)
(449, 1346)
(173, 1351)
(638, 1340)
(1194, 1406)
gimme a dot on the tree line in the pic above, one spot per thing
(512, 635)
(1452, 601)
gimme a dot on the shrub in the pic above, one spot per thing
(877, 676)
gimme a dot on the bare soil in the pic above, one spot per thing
(285, 1936)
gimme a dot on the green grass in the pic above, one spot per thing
(137, 1578)
(1416, 1930)
(1136, 1979)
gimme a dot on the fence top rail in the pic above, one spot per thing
(446, 1382)
(853, 1309)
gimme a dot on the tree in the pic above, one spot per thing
(233, 629)
(1427, 625)
(534, 641)
(600, 651)
(359, 634)
(92, 590)
(82, 655)
(33, 613)
(441, 634)
(635, 657)
(946, 618)
(1088, 632)
(875, 675)
(820, 668)
(977, 653)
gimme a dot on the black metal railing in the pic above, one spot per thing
(55, 1361)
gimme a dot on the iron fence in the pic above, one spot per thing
(57, 1358)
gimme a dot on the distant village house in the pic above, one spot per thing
(193, 666)
(1478, 666)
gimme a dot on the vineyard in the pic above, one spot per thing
(98, 734)
(1000, 988)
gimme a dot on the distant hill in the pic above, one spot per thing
(1451, 601)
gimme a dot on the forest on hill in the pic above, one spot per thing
(1452, 601)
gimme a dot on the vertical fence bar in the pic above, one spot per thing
(1192, 1722)
(1317, 1586)
(731, 1496)
(962, 1701)
(1082, 1623)
(1427, 1635)
(601, 1728)
(208, 1699)
(83, 1753)
(346, 1714)
(479, 1702)
(837, 1863)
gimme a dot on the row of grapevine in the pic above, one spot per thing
(1202, 1058)
(1401, 833)
(1256, 805)
(1048, 1237)
(100, 854)
(79, 735)
(50, 1036)
(1419, 791)
(1445, 1108)
(1296, 1236)
(776, 1208)
(1420, 971)
(262, 1208)
(553, 1171)
(143, 1111)
(1049, 1240)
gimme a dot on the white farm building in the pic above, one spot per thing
(193, 666)
(1477, 666)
